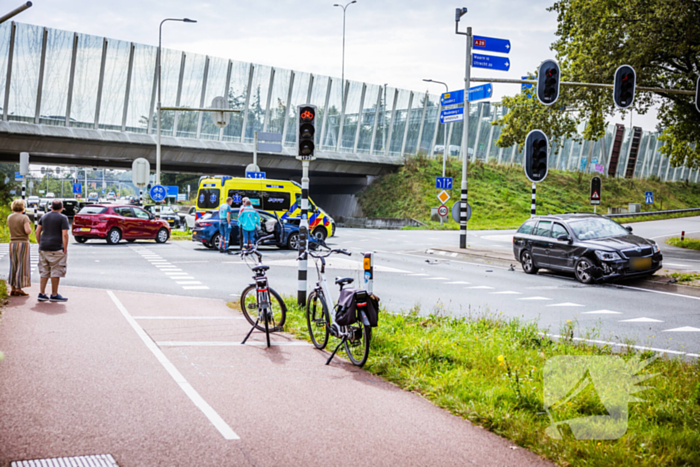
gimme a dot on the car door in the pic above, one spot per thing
(146, 227)
(561, 251)
(127, 221)
(541, 242)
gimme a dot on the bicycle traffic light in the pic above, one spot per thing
(623, 89)
(307, 131)
(548, 82)
(536, 149)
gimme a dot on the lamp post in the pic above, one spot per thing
(444, 150)
(160, 40)
(342, 85)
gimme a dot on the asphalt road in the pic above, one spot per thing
(407, 278)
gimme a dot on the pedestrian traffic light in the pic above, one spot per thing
(548, 82)
(623, 89)
(307, 131)
(536, 149)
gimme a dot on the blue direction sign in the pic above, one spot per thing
(485, 91)
(18, 176)
(491, 44)
(77, 188)
(158, 193)
(255, 175)
(452, 97)
(490, 62)
(452, 115)
(648, 197)
(443, 183)
(171, 191)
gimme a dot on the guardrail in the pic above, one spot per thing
(652, 213)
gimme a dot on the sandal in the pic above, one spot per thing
(20, 293)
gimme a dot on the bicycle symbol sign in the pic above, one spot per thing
(158, 193)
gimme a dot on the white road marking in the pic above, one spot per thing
(659, 292)
(677, 265)
(601, 312)
(617, 344)
(176, 273)
(195, 287)
(506, 292)
(435, 278)
(188, 282)
(454, 255)
(226, 344)
(565, 304)
(535, 298)
(683, 329)
(479, 287)
(457, 282)
(182, 278)
(442, 253)
(194, 396)
(188, 317)
(415, 275)
(641, 320)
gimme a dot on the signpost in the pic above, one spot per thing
(491, 44)
(485, 91)
(255, 175)
(172, 191)
(443, 211)
(491, 62)
(158, 193)
(443, 196)
(455, 212)
(140, 173)
(648, 197)
(77, 188)
(452, 115)
(595, 192)
(23, 170)
(452, 98)
(443, 183)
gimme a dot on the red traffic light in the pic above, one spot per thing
(307, 114)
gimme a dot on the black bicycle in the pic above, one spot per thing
(261, 305)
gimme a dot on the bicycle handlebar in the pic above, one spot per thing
(254, 249)
(330, 252)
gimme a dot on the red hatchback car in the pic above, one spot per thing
(114, 223)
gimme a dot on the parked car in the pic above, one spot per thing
(593, 247)
(166, 213)
(206, 230)
(70, 207)
(116, 222)
(187, 218)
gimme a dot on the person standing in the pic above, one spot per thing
(248, 219)
(225, 224)
(52, 236)
(20, 268)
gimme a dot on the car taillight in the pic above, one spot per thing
(103, 219)
(204, 224)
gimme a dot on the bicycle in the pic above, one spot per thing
(321, 323)
(259, 296)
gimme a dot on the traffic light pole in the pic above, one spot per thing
(465, 140)
(583, 85)
(303, 233)
(533, 207)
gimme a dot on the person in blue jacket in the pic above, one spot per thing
(249, 220)
(225, 224)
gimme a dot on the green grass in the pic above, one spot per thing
(180, 235)
(686, 277)
(489, 370)
(692, 243)
(500, 195)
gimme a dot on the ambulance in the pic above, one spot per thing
(280, 197)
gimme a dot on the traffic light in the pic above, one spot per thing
(548, 82)
(623, 89)
(307, 131)
(536, 150)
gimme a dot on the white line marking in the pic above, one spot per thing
(415, 275)
(506, 292)
(677, 265)
(188, 317)
(454, 255)
(182, 278)
(683, 329)
(565, 304)
(617, 344)
(169, 273)
(457, 282)
(535, 298)
(188, 282)
(435, 279)
(195, 287)
(226, 344)
(479, 287)
(659, 292)
(641, 320)
(601, 312)
(194, 396)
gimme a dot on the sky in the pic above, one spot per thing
(387, 41)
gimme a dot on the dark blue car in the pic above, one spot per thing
(206, 230)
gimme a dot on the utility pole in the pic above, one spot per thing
(465, 134)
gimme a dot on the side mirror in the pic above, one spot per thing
(628, 228)
(564, 238)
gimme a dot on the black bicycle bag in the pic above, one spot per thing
(355, 305)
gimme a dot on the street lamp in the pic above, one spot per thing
(444, 150)
(160, 37)
(342, 90)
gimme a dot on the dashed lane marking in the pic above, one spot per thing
(480, 287)
(535, 298)
(415, 275)
(435, 278)
(683, 329)
(601, 312)
(506, 292)
(566, 304)
(457, 283)
(641, 320)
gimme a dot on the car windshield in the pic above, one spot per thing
(593, 228)
(166, 210)
(92, 210)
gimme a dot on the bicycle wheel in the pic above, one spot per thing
(317, 319)
(250, 309)
(357, 345)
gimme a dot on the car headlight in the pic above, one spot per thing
(655, 247)
(607, 255)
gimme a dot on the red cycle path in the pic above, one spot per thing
(78, 379)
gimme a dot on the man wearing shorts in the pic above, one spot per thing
(52, 236)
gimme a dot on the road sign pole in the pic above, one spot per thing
(533, 206)
(303, 233)
(465, 143)
(255, 148)
(24, 188)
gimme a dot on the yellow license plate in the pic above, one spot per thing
(640, 264)
(84, 229)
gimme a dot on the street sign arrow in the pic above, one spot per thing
(452, 115)
(490, 62)
(485, 91)
(452, 97)
(491, 44)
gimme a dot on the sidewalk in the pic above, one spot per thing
(162, 380)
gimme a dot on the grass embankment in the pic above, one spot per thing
(489, 370)
(691, 243)
(180, 235)
(500, 195)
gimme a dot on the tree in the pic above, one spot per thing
(660, 39)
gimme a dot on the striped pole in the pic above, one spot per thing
(303, 233)
(465, 142)
(24, 188)
(533, 207)
(140, 196)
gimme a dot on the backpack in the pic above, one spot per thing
(357, 305)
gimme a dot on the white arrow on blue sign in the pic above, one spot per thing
(491, 44)
(443, 183)
(255, 175)
(452, 97)
(648, 197)
(452, 115)
(485, 91)
(491, 62)
(158, 193)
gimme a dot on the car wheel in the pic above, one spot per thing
(162, 236)
(114, 236)
(583, 272)
(80, 239)
(528, 263)
(214, 242)
(131, 240)
(293, 241)
(320, 233)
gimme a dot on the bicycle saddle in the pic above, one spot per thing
(261, 268)
(344, 280)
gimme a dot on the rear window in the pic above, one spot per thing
(92, 210)
(208, 198)
(526, 228)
